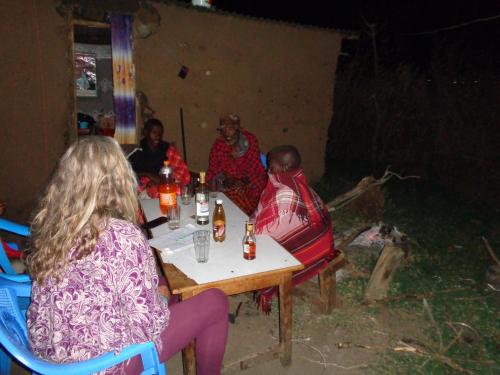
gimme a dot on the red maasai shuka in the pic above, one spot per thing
(10, 252)
(242, 197)
(247, 166)
(288, 199)
(180, 171)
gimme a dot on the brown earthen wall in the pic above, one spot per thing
(278, 77)
(34, 105)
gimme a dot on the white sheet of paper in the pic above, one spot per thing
(176, 240)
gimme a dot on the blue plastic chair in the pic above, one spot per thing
(21, 285)
(14, 339)
(11, 227)
(263, 160)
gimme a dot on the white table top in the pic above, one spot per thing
(225, 259)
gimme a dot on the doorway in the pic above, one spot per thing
(93, 79)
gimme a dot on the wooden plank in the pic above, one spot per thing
(96, 24)
(72, 120)
(240, 284)
(285, 291)
(253, 358)
(177, 280)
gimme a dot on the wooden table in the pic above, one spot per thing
(227, 270)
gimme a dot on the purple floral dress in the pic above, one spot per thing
(102, 302)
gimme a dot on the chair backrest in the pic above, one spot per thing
(21, 284)
(15, 228)
(263, 160)
(14, 339)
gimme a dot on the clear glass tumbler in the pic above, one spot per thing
(201, 239)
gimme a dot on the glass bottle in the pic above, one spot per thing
(249, 243)
(167, 188)
(219, 222)
(202, 209)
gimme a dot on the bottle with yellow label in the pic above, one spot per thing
(219, 222)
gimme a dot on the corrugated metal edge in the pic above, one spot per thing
(351, 34)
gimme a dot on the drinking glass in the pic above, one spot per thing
(186, 194)
(214, 187)
(201, 239)
(174, 215)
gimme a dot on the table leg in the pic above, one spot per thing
(188, 353)
(285, 296)
(188, 359)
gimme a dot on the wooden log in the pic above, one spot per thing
(252, 359)
(382, 274)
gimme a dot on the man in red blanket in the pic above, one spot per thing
(293, 214)
(235, 161)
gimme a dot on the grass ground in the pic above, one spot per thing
(444, 283)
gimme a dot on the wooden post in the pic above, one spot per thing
(382, 274)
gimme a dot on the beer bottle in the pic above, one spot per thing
(202, 209)
(219, 222)
(249, 243)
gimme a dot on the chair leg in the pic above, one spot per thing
(328, 283)
(327, 290)
(5, 362)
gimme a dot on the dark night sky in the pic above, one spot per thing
(397, 19)
(400, 15)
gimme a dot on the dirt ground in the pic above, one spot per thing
(344, 342)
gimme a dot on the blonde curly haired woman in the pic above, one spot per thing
(95, 285)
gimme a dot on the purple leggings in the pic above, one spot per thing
(203, 318)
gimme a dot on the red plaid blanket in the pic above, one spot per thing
(288, 196)
(246, 167)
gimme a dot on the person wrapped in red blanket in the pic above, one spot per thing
(235, 161)
(293, 214)
(148, 159)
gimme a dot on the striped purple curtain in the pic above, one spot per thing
(123, 78)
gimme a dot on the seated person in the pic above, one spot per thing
(235, 160)
(95, 284)
(148, 161)
(293, 214)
